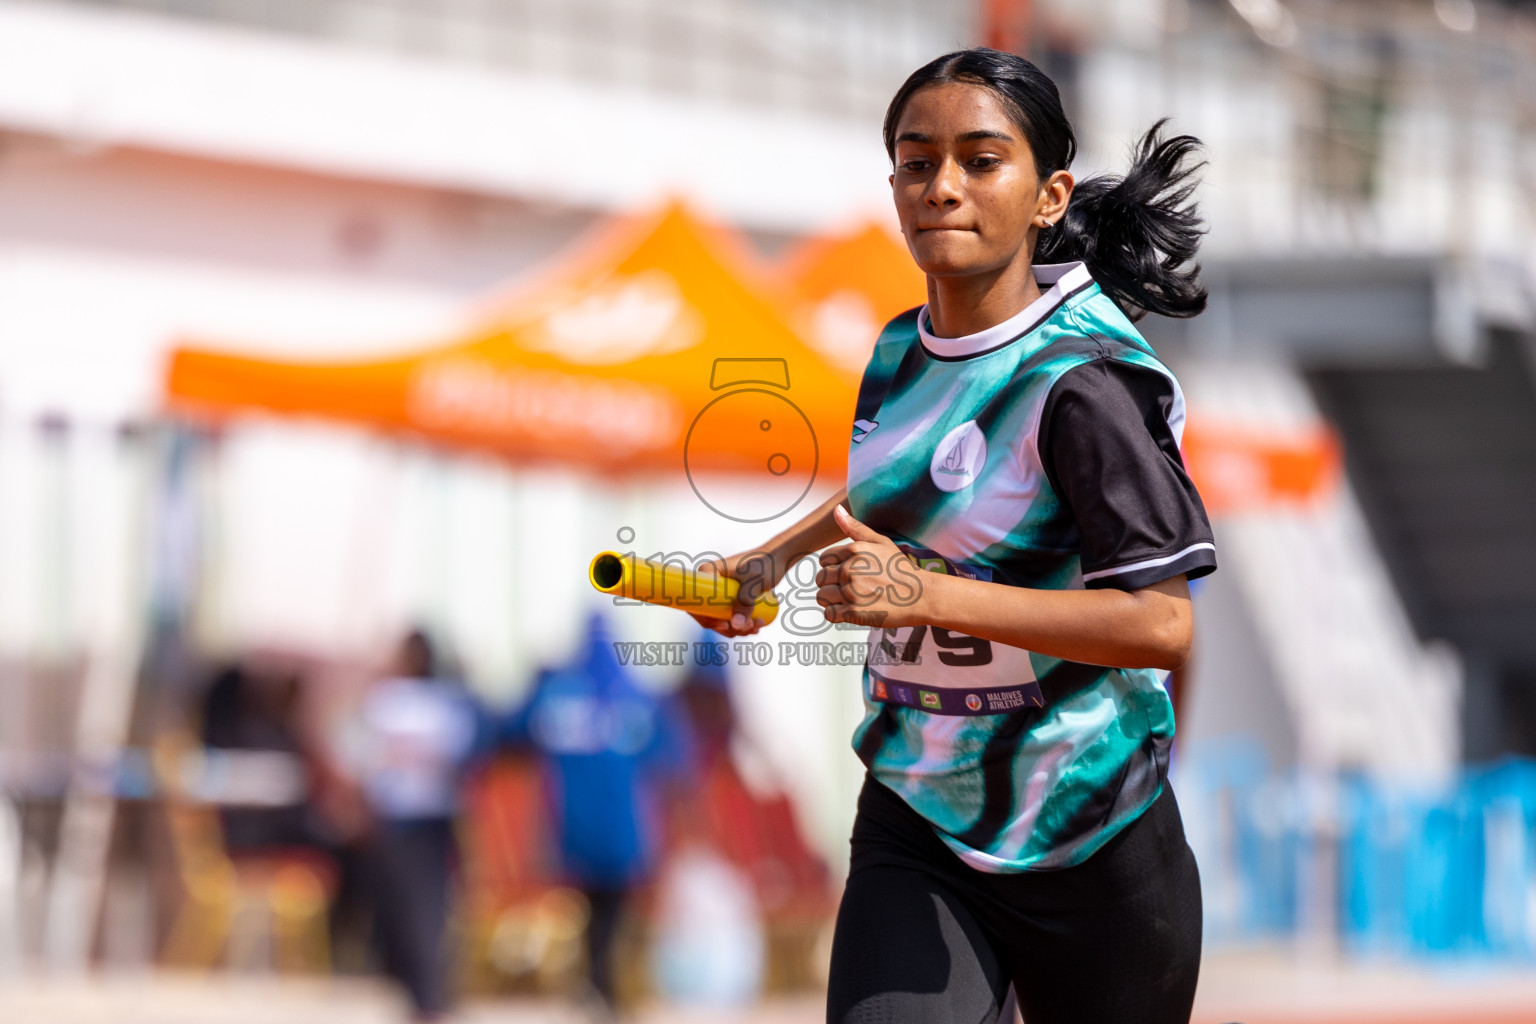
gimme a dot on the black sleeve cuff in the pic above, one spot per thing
(1194, 561)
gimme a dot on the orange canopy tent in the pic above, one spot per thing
(653, 349)
(848, 286)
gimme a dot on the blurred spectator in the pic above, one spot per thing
(416, 734)
(247, 712)
(705, 698)
(727, 833)
(710, 943)
(607, 748)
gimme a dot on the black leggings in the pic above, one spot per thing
(922, 938)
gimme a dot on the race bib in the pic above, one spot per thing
(948, 673)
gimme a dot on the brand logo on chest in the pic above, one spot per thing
(958, 459)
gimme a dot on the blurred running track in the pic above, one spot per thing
(1256, 989)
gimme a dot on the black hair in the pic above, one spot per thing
(418, 655)
(1137, 234)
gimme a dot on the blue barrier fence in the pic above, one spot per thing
(1383, 867)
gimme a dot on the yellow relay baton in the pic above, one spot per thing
(673, 585)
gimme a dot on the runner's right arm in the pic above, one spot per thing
(762, 568)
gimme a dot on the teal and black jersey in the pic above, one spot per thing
(1040, 453)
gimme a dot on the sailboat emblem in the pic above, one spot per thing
(959, 457)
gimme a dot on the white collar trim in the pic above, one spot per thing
(1063, 279)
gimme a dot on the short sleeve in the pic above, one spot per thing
(1109, 451)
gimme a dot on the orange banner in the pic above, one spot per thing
(655, 350)
(1238, 471)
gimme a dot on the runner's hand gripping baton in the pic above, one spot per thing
(672, 585)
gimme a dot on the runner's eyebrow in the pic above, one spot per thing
(979, 135)
(982, 134)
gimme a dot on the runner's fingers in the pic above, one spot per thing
(737, 625)
(839, 613)
(839, 594)
(837, 555)
(843, 572)
(720, 626)
(863, 554)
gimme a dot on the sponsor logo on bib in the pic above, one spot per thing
(973, 702)
(959, 457)
(929, 699)
(880, 692)
(1006, 700)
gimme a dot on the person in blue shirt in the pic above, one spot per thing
(608, 748)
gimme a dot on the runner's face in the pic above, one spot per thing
(964, 182)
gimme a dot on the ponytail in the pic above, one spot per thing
(1137, 234)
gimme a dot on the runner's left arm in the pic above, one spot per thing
(863, 582)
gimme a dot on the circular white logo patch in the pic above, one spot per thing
(973, 702)
(959, 457)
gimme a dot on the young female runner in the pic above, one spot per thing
(1021, 533)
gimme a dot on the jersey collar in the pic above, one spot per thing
(1064, 280)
